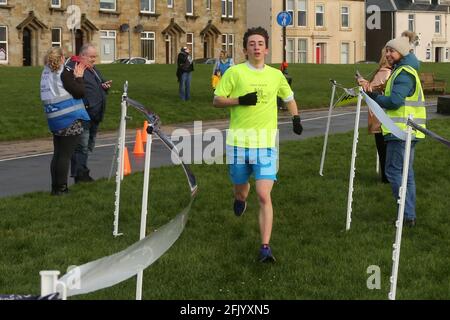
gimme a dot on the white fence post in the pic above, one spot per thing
(352, 164)
(401, 212)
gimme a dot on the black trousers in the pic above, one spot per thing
(64, 147)
(381, 148)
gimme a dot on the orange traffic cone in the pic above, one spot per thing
(126, 163)
(144, 132)
(138, 146)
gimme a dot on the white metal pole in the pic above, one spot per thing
(401, 212)
(120, 161)
(48, 282)
(352, 165)
(325, 142)
(144, 210)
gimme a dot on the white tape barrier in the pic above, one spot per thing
(384, 118)
(111, 270)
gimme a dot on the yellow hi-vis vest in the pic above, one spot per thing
(414, 105)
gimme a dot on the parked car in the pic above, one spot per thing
(133, 60)
(366, 62)
(205, 61)
(121, 60)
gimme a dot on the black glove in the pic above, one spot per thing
(250, 99)
(373, 95)
(297, 125)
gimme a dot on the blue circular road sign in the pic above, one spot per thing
(284, 18)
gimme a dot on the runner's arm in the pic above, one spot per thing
(292, 107)
(223, 102)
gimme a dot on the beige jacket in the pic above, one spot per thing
(377, 84)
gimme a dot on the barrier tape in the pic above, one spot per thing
(384, 118)
(111, 270)
(428, 133)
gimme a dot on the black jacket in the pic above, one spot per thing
(183, 62)
(94, 94)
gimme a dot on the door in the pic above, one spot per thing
(168, 49)
(26, 45)
(438, 54)
(78, 41)
(205, 49)
(108, 46)
(318, 53)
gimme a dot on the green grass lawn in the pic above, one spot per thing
(215, 257)
(156, 87)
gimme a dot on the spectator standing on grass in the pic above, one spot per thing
(377, 84)
(250, 90)
(61, 93)
(284, 69)
(184, 73)
(96, 89)
(222, 64)
(403, 96)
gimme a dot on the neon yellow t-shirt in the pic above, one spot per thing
(254, 126)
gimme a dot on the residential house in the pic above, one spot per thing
(387, 19)
(321, 31)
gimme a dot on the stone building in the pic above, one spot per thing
(154, 29)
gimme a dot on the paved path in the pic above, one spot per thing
(24, 166)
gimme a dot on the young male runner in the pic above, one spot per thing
(250, 89)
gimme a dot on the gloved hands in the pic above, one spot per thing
(297, 125)
(250, 99)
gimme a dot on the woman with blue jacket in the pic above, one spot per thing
(403, 97)
(62, 91)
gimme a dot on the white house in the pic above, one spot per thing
(427, 18)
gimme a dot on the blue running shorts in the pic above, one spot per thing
(243, 162)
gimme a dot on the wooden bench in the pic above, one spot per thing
(430, 83)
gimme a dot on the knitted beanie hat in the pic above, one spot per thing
(400, 44)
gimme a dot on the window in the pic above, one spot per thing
(189, 7)
(3, 44)
(108, 5)
(108, 45)
(56, 37)
(290, 10)
(345, 52)
(302, 50)
(290, 50)
(169, 3)
(230, 8)
(446, 54)
(411, 22)
(345, 17)
(208, 4)
(227, 8)
(53, 3)
(428, 55)
(228, 44)
(148, 6)
(301, 13)
(148, 45)
(437, 24)
(190, 43)
(3, 1)
(296, 50)
(319, 16)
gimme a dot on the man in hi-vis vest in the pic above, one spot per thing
(402, 97)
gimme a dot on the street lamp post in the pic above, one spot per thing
(284, 35)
